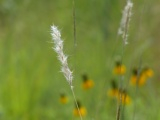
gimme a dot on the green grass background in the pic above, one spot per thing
(30, 77)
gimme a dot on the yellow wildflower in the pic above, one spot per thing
(119, 69)
(82, 110)
(87, 83)
(113, 92)
(148, 72)
(125, 99)
(63, 99)
(140, 79)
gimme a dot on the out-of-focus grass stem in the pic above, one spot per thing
(123, 30)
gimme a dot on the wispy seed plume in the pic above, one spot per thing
(126, 15)
(58, 47)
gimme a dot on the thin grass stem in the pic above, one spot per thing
(75, 100)
(74, 24)
(123, 30)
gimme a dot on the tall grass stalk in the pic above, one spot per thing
(74, 25)
(123, 30)
(58, 42)
(74, 35)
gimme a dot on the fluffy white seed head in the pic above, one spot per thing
(56, 35)
(126, 15)
(58, 48)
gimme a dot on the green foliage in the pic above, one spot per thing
(30, 81)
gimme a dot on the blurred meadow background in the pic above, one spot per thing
(31, 84)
